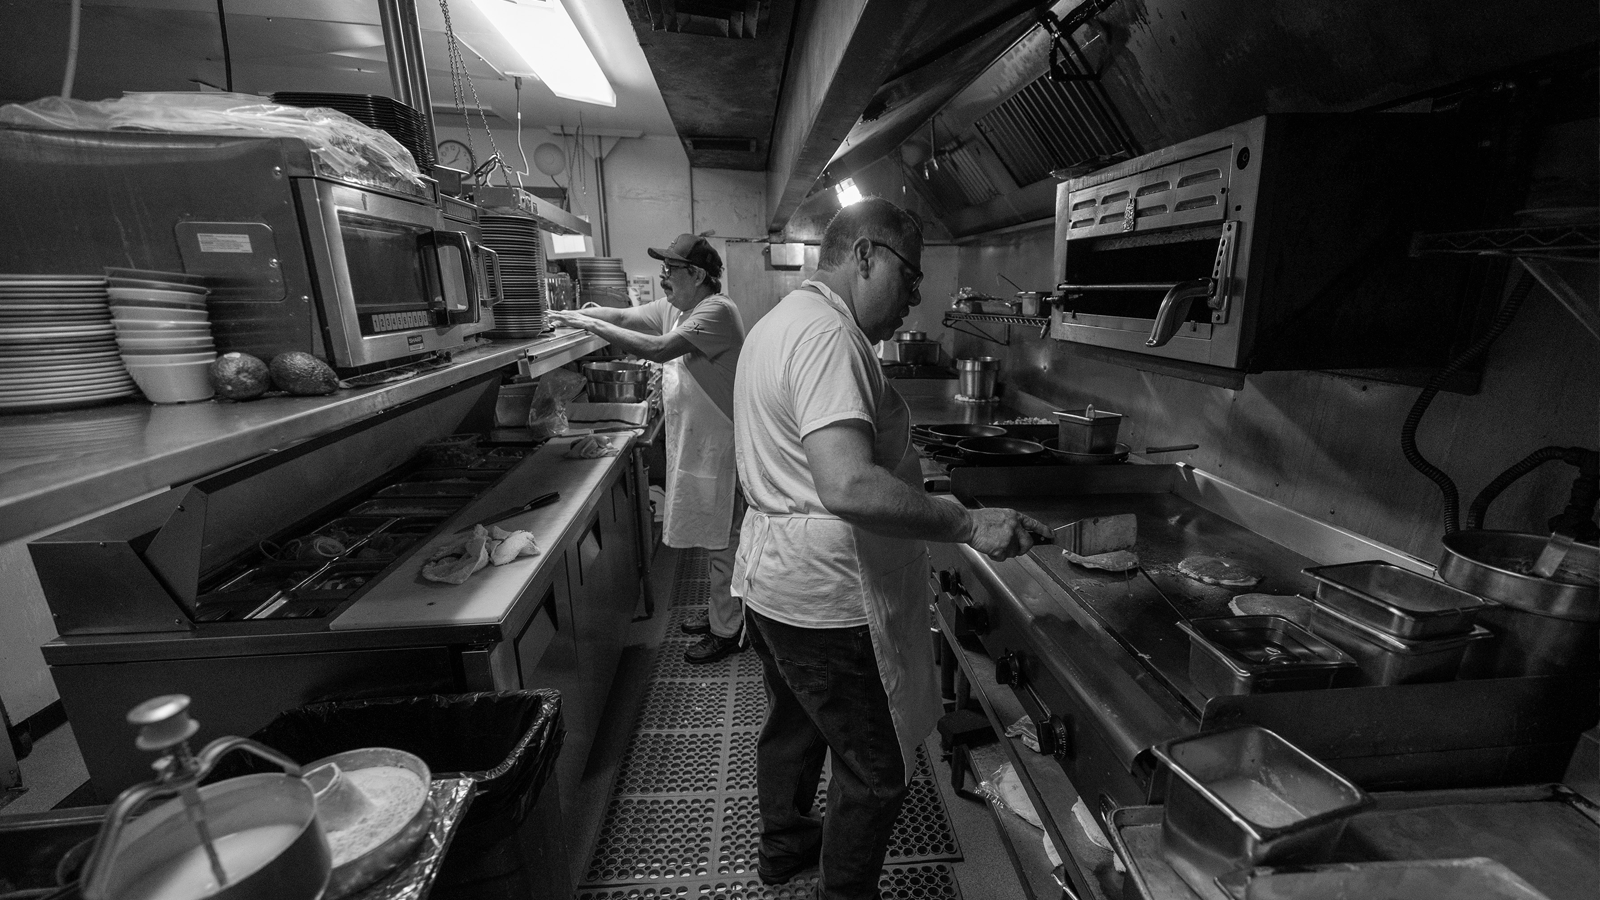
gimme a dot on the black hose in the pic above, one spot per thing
(227, 54)
(1408, 431)
(1480, 506)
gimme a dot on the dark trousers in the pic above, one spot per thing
(824, 694)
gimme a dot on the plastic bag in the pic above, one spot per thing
(1023, 728)
(343, 147)
(547, 414)
(1005, 788)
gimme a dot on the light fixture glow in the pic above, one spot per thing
(548, 41)
(848, 193)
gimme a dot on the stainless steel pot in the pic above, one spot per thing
(1496, 565)
(978, 376)
(1545, 625)
(617, 382)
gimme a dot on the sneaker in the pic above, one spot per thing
(779, 874)
(711, 648)
(699, 623)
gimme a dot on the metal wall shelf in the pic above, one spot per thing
(1536, 248)
(953, 318)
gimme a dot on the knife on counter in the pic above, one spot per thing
(535, 503)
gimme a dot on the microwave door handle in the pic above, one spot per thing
(1175, 308)
(491, 274)
(462, 245)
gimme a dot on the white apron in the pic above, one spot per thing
(700, 471)
(893, 577)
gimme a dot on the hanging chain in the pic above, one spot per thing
(458, 72)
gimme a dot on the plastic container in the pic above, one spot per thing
(1386, 659)
(1396, 601)
(1231, 655)
(1246, 797)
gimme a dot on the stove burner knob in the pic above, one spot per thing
(1008, 669)
(1061, 737)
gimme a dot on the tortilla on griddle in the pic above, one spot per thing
(1114, 561)
(1215, 570)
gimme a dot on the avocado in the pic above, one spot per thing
(239, 376)
(304, 374)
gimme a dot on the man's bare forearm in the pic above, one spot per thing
(876, 500)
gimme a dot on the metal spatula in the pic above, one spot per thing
(1551, 557)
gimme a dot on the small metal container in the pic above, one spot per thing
(978, 376)
(1386, 659)
(1088, 430)
(1245, 797)
(1396, 601)
(1260, 654)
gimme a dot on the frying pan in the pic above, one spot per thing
(991, 451)
(960, 432)
(1120, 454)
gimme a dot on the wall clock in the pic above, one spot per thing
(457, 155)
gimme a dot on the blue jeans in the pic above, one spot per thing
(824, 694)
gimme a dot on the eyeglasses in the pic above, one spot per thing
(666, 268)
(916, 273)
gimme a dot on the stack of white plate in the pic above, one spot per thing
(602, 280)
(164, 333)
(521, 313)
(56, 344)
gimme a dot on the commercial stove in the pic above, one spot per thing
(1099, 664)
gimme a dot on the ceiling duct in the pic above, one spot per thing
(1051, 125)
(714, 18)
(724, 144)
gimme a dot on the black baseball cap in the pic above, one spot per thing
(691, 249)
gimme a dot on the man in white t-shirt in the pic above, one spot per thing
(832, 565)
(697, 333)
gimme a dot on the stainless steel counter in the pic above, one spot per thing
(55, 467)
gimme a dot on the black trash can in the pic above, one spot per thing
(511, 843)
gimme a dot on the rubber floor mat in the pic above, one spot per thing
(927, 881)
(683, 821)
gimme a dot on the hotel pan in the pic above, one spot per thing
(1246, 797)
(1386, 659)
(1260, 654)
(1396, 601)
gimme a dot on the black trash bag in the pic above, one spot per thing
(506, 741)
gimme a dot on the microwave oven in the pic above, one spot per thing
(366, 276)
(1278, 243)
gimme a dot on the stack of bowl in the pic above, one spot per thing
(163, 332)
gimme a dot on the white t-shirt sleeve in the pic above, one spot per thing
(829, 382)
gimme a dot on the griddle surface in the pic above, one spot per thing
(1141, 609)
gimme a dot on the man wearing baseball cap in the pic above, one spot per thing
(696, 331)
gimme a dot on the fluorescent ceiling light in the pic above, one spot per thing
(848, 193)
(554, 51)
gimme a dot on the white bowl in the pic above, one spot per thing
(142, 329)
(155, 314)
(149, 295)
(180, 383)
(132, 360)
(164, 345)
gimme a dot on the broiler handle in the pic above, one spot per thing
(1175, 308)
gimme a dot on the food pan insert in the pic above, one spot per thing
(1396, 601)
(1258, 654)
(1246, 797)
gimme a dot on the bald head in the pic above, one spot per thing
(875, 219)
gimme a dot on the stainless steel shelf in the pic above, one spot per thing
(1573, 241)
(953, 318)
(59, 466)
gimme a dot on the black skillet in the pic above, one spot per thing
(990, 451)
(958, 432)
